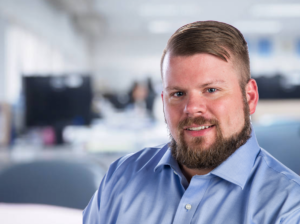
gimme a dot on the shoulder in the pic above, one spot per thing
(277, 169)
(275, 187)
(130, 164)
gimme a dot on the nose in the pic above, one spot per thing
(195, 105)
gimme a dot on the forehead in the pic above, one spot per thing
(200, 67)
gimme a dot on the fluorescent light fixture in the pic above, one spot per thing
(259, 27)
(276, 10)
(167, 10)
(164, 26)
(160, 27)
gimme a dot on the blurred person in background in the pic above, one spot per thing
(141, 99)
(213, 170)
(137, 102)
(150, 97)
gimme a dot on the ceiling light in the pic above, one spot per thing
(258, 27)
(160, 27)
(167, 10)
(164, 26)
(276, 10)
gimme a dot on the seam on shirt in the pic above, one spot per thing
(135, 156)
(126, 157)
(283, 220)
(277, 171)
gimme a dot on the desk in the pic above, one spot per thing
(37, 214)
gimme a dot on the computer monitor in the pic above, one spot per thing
(57, 101)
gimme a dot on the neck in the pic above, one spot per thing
(189, 173)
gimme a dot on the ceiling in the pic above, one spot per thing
(134, 17)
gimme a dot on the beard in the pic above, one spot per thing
(195, 156)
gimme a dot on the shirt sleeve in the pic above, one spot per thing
(91, 214)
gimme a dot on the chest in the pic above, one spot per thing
(163, 199)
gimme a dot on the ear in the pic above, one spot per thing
(252, 95)
(162, 96)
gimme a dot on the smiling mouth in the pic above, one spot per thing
(198, 128)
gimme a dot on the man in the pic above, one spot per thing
(213, 171)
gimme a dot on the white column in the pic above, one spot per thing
(2, 59)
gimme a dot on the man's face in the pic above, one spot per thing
(204, 107)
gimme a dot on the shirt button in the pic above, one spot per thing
(188, 206)
(175, 173)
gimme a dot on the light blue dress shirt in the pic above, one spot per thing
(148, 187)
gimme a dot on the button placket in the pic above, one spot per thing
(191, 199)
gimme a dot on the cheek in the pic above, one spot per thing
(172, 116)
(226, 110)
(230, 115)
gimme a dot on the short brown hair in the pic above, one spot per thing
(219, 39)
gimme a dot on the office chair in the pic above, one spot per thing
(67, 183)
(282, 140)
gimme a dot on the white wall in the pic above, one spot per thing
(284, 58)
(121, 60)
(41, 18)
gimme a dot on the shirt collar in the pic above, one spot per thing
(167, 159)
(238, 166)
(236, 169)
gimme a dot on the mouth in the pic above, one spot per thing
(198, 128)
(198, 131)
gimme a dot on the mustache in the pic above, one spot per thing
(196, 120)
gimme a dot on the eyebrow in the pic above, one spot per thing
(173, 88)
(201, 86)
(213, 82)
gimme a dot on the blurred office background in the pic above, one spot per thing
(80, 85)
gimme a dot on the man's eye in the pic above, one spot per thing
(177, 94)
(211, 90)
